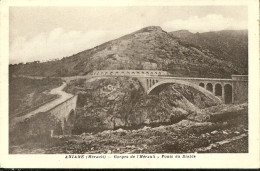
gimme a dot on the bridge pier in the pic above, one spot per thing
(213, 91)
(223, 93)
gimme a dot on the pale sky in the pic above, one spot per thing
(44, 33)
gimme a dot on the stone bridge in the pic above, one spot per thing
(65, 113)
(234, 90)
(53, 118)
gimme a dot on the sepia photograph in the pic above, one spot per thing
(137, 79)
(154, 80)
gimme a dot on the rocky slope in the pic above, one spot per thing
(109, 103)
(114, 115)
(216, 54)
(228, 135)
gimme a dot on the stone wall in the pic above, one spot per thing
(63, 110)
(240, 91)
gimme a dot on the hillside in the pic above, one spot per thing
(228, 45)
(213, 54)
(25, 94)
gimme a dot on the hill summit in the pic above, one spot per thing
(182, 53)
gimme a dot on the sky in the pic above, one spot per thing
(46, 33)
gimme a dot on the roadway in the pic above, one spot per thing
(59, 91)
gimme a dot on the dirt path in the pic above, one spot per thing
(63, 97)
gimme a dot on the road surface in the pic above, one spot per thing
(59, 91)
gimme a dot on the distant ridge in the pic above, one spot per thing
(182, 53)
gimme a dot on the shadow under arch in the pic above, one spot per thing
(209, 87)
(228, 94)
(160, 85)
(69, 122)
(218, 90)
(202, 84)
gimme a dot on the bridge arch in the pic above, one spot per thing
(228, 93)
(218, 90)
(202, 90)
(69, 123)
(202, 85)
(209, 87)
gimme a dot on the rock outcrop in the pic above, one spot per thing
(109, 103)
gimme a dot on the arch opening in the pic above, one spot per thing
(158, 87)
(209, 87)
(228, 93)
(69, 123)
(202, 84)
(218, 90)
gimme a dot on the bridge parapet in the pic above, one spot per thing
(129, 72)
(240, 77)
